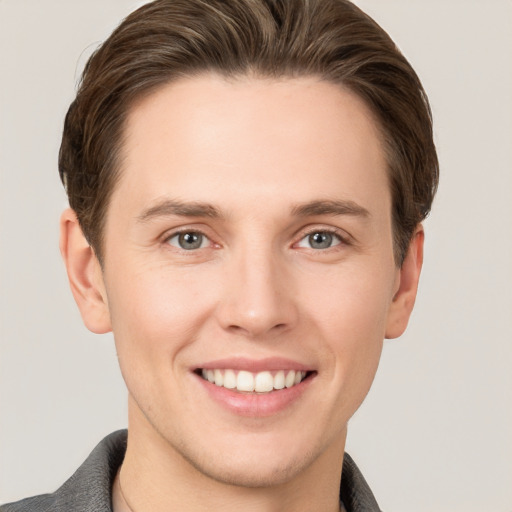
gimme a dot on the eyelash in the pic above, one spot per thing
(185, 231)
(342, 237)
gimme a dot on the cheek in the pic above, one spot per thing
(352, 301)
(350, 314)
(156, 313)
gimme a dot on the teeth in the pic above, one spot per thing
(219, 378)
(261, 382)
(230, 379)
(289, 380)
(264, 382)
(279, 380)
(245, 381)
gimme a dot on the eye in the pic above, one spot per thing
(188, 240)
(320, 240)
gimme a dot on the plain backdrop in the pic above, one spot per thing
(435, 433)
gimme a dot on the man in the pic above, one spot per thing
(247, 181)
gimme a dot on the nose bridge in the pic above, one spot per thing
(258, 298)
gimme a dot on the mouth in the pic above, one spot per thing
(263, 382)
(256, 388)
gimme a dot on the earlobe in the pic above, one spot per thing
(84, 274)
(404, 298)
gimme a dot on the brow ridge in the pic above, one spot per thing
(313, 208)
(330, 207)
(169, 207)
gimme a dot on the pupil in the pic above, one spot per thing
(190, 240)
(320, 240)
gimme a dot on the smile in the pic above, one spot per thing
(248, 382)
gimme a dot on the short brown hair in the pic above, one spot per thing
(168, 39)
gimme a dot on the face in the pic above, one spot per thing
(248, 272)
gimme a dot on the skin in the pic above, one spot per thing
(255, 150)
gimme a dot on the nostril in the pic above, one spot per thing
(255, 330)
(237, 329)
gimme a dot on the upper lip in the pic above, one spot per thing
(255, 365)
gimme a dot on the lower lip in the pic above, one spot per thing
(255, 405)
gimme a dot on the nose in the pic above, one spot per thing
(258, 295)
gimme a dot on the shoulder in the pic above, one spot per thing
(89, 489)
(355, 493)
(42, 503)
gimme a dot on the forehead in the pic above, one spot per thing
(209, 139)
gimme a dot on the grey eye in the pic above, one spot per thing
(320, 240)
(188, 240)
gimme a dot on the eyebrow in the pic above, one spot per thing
(169, 207)
(330, 207)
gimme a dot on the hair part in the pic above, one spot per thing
(169, 39)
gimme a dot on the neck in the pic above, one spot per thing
(155, 477)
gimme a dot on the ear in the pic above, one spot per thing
(407, 286)
(84, 274)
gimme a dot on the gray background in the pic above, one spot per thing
(435, 434)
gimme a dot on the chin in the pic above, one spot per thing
(251, 471)
(249, 452)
